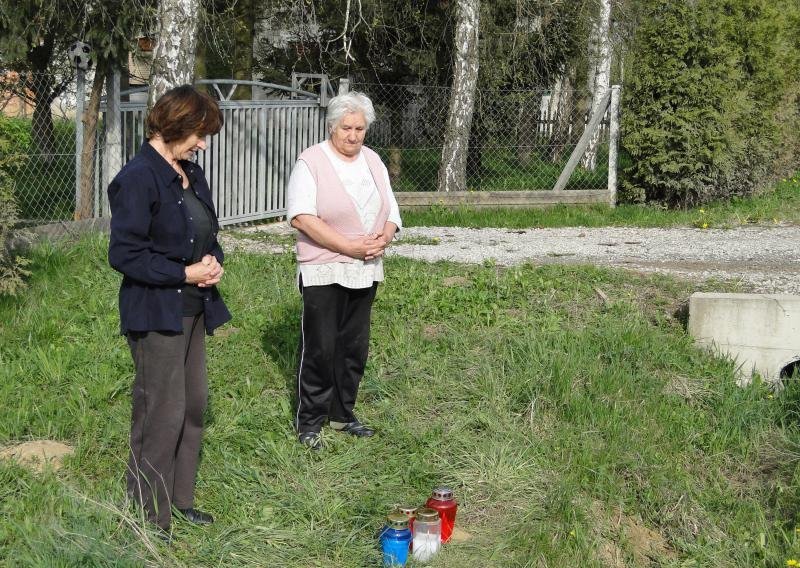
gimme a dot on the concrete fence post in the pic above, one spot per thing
(112, 152)
(80, 100)
(613, 143)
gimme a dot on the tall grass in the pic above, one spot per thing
(574, 430)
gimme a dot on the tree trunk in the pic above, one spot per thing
(560, 113)
(395, 164)
(40, 82)
(243, 46)
(452, 171)
(599, 73)
(528, 121)
(84, 207)
(42, 129)
(528, 113)
(173, 58)
(396, 138)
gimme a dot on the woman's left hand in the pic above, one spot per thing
(381, 240)
(377, 245)
(209, 260)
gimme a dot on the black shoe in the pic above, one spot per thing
(311, 440)
(164, 535)
(355, 428)
(196, 517)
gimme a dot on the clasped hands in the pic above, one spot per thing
(369, 246)
(207, 272)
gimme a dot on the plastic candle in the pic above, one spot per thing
(427, 534)
(442, 501)
(395, 539)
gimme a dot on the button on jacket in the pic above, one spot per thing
(151, 241)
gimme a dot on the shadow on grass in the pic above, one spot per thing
(280, 340)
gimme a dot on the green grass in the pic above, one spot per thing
(501, 170)
(778, 205)
(572, 429)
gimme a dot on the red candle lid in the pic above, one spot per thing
(408, 511)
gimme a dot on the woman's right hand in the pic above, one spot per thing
(207, 272)
(367, 247)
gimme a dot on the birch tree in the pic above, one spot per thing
(453, 169)
(176, 43)
(599, 73)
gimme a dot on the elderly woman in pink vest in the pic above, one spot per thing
(341, 202)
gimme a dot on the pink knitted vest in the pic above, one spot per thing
(336, 207)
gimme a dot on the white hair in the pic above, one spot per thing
(348, 103)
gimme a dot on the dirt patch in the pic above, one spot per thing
(616, 532)
(610, 555)
(37, 454)
(431, 331)
(453, 281)
(687, 388)
(647, 545)
(516, 313)
(226, 331)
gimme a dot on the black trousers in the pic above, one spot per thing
(334, 343)
(170, 393)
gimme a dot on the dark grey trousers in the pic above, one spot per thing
(170, 393)
(334, 344)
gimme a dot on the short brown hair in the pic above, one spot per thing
(183, 111)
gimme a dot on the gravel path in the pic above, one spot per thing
(763, 259)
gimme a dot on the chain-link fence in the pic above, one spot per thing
(520, 140)
(37, 129)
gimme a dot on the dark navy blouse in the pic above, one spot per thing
(152, 240)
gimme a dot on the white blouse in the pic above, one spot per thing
(360, 186)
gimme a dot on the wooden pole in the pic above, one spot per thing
(575, 157)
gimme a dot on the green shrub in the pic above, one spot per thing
(14, 136)
(710, 109)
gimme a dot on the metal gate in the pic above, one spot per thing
(249, 162)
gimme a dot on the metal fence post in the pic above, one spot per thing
(80, 102)
(112, 152)
(613, 142)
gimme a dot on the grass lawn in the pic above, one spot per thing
(779, 205)
(501, 170)
(575, 431)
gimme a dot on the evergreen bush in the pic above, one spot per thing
(710, 106)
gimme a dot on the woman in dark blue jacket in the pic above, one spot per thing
(164, 242)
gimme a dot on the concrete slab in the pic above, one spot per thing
(761, 332)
